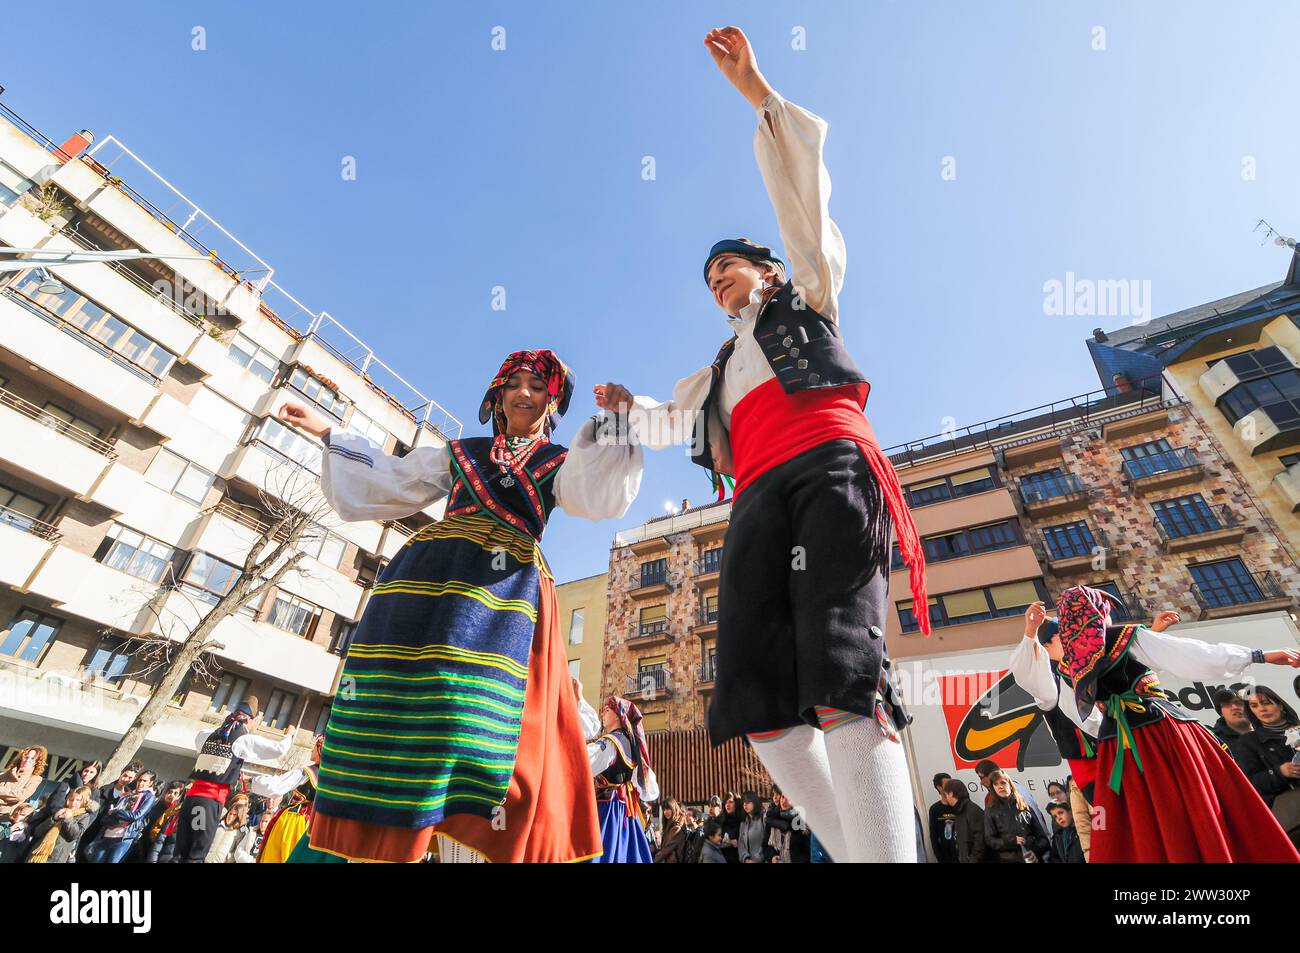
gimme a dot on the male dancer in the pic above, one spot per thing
(803, 671)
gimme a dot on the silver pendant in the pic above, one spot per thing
(507, 481)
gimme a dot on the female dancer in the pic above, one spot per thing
(454, 714)
(620, 763)
(1166, 790)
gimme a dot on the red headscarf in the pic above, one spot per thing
(546, 365)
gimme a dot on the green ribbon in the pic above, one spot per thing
(1117, 709)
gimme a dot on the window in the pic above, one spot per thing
(654, 572)
(1225, 583)
(964, 483)
(134, 553)
(1069, 540)
(1185, 516)
(209, 578)
(977, 539)
(231, 690)
(908, 618)
(179, 477)
(65, 420)
(362, 425)
(575, 668)
(183, 690)
(966, 606)
(28, 635)
(1014, 598)
(279, 710)
(1289, 459)
(219, 414)
(653, 620)
(1278, 395)
(947, 546)
(655, 721)
(318, 392)
(323, 546)
(290, 444)
(711, 560)
(575, 627)
(293, 614)
(1118, 613)
(109, 661)
(258, 361)
(710, 609)
(322, 720)
(7, 195)
(985, 539)
(342, 638)
(18, 509)
(97, 323)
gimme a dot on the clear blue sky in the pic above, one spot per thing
(522, 168)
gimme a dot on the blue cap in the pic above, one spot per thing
(738, 246)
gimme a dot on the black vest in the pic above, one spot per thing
(216, 762)
(480, 486)
(1072, 741)
(805, 352)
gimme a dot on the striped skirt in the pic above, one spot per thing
(455, 713)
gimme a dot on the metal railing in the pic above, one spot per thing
(1052, 488)
(648, 579)
(709, 669)
(1179, 524)
(48, 316)
(1075, 546)
(1167, 461)
(1242, 590)
(1036, 421)
(46, 419)
(707, 616)
(648, 630)
(710, 562)
(649, 681)
(29, 524)
(236, 515)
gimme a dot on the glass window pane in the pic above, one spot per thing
(165, 470)
(194, 484)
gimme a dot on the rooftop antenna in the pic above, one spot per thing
(1282, 241)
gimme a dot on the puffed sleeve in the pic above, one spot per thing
(253, 747)
(659, 424)
(1032, 670)
(590, 720)
(362, 482)
(601, 754)
(601, 475)
(277, 785)
(1189, 658)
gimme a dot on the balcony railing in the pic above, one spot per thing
(1051, 488)
(236, 515)
(1168, 461)
(43, 417)
(20, 299)
(1243, 590)
(28, 524)
(648, 682)
(710, 562)
(649, 630)
(1195, 523)
(1132, 610)
(709, 669)
(653, 579)
(162, 297)
(708, 616)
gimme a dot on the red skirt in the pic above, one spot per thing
(1189, 804)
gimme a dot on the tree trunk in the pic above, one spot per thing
(156, 706)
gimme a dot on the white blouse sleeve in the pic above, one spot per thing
(601, 475)
(362, 482)
(659, 424)
(601, 753)
(1189, 658)
(253, 747)
(590, 720)
(277, 785)
(788, 146)
(1032, 670)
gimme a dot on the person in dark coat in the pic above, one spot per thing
(88, 776)
(729, 820)
(1233, 720)
(791, 829)
(967, 825)
(1010, 827)
(105, 800)
(1066, 848)
(55, 840)
(712, 852)
(942, 817)
(672, 844)
(1263, 754)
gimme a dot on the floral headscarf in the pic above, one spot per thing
(629, 719)
(1082, 615)
(546, 365)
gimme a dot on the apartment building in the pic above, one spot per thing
(582, 604)
(1237, 362)
(139, 456)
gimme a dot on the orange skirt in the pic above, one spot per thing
(550, 810)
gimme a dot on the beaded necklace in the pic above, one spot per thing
(511, 453)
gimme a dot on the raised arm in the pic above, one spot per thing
(601, 475)
(788, 145)
(362, 482)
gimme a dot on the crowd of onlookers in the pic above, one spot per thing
(131, 819)
(734, 829)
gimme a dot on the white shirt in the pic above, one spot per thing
(788, 146)
(252, 747)
(598, 480)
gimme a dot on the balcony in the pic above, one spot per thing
(1032, 451)
(706, 621)
(24, 544)
(706, 673)
(646, 634)
(63, 350)
(1058, 494)
(707, 568)
(648, 684)
(1288, 484)
(1159, 471)
(1222, 528)
(651, 584)
(51, 450)
(1144, 421)
(1087, 551)
(1254, 592)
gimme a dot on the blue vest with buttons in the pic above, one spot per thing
(804, 350)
